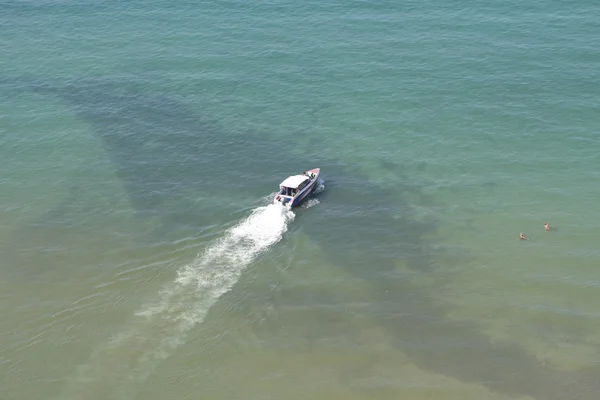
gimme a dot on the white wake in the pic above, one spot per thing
(158, 329)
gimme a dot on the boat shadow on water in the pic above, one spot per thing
(139, 129)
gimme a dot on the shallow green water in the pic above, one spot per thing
(140, 145)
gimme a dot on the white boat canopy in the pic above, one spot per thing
(294, 181)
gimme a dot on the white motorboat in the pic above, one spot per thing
(296, 188)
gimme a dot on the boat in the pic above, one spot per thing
(294, 189)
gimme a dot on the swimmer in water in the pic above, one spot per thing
(546, 226)
(523, 237)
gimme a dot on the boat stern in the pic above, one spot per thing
(283, 200)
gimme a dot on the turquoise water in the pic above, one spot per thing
(141, 143)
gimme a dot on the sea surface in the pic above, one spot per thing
(141, 143)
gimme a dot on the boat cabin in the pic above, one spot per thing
(294, 184)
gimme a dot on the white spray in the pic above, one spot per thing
(158, 329)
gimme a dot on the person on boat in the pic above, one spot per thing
(523, 237)
(546, 226)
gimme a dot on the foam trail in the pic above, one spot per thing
(310, 203)
(158, 329)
